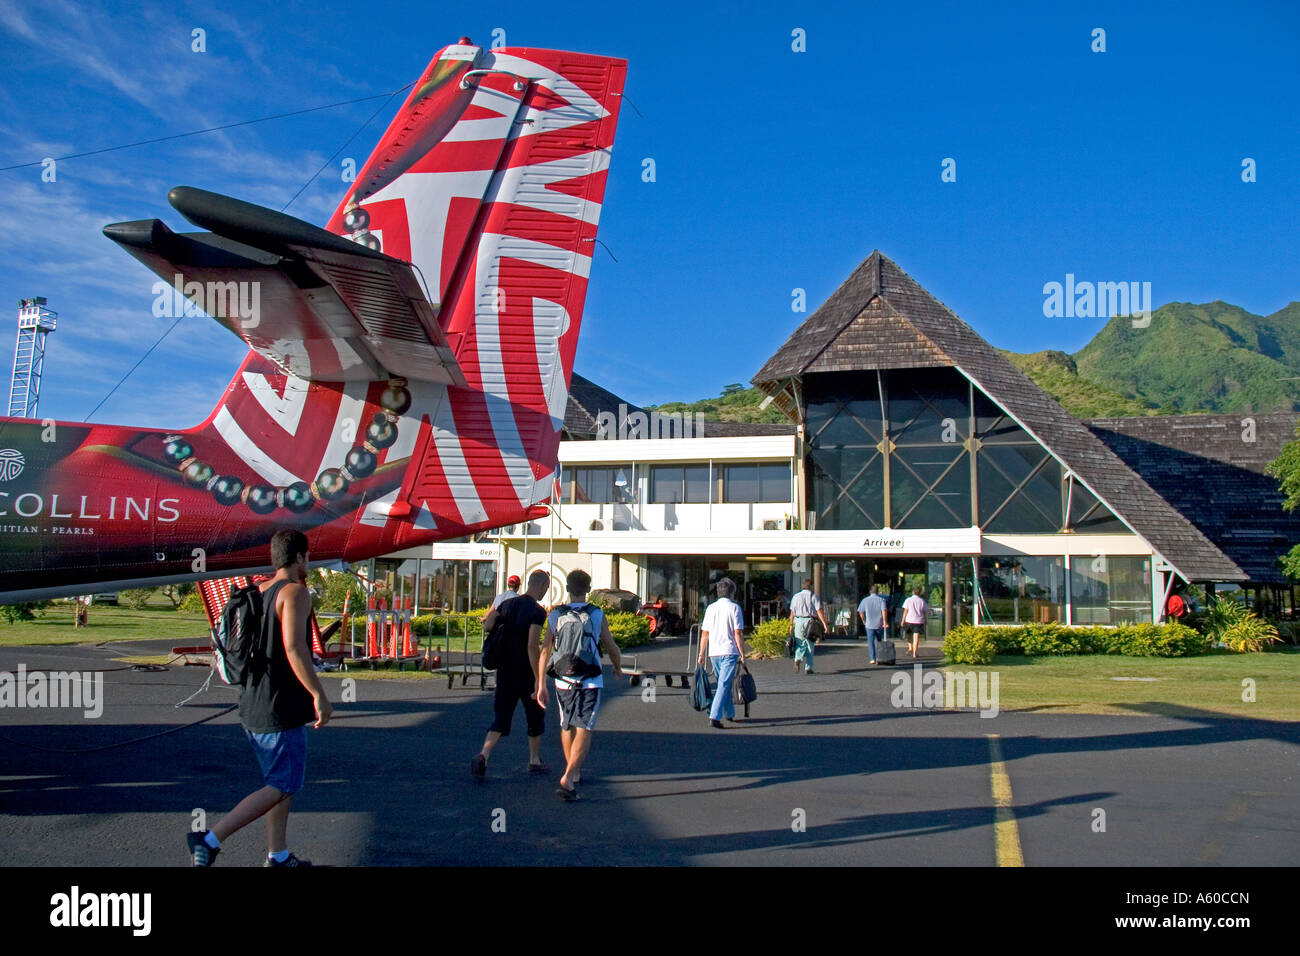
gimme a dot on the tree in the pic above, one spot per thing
(1286, 468)
(177, 593)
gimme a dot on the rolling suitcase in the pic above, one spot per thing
(885, 651)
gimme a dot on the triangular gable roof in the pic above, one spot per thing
(852, 331)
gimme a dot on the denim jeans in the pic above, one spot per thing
(874, 634)
(724, 669)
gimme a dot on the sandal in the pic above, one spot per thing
(538, 768)
(567, 795)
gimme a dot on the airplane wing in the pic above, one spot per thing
(321, 307)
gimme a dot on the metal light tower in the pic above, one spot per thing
(34, 323)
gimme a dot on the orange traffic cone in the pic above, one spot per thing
(407, 649)
(372, 645)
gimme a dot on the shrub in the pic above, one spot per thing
(978, 645)
(1042, 639)
(334, 588)
(1250, 635)
(1170, 639)
(967, 644)
(13, 613)
(1220, 616)
(192, 603)
(137, 598)
(445, 625)
(1007, 640)
(627, 629)
(768, 639)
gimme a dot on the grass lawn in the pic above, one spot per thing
(106, 623)
(360, 672)
(1183, 686)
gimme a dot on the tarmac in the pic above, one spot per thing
(825, 772)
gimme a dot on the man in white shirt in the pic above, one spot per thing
(721, 635)
(914, 617)
(875, 618)
(804, 606)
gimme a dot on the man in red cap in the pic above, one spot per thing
(511, 592)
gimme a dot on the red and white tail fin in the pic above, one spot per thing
(489, 180)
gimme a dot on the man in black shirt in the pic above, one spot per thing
(275, 708)
(521, 620)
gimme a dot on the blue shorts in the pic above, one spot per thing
(282, 757)
(578, 707)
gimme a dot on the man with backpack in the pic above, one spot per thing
(516, 626)
(575, 632)
(279, 694)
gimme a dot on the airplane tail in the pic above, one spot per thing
(409, 365)
(489, 182)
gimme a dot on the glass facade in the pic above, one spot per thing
(1021, 589)
(929, 467)
(845, 429)
(755, 483)
(677, 484)
(895, 449)
(615, 484)
(1110, 590)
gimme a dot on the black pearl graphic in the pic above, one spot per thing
(395, 400)
(330, 484)
(260, 498)
(354, 220)
(177, 449)
(359, 464)
(381, 433)
(298, 497)
(226, 489)
(370, 241)
(197, 472)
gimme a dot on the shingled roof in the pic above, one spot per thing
(1211, 468)
(881, 318)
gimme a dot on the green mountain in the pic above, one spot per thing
(1192, 358)
(735, 404)
(1057, 374)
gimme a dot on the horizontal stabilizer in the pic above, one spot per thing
(319, 306)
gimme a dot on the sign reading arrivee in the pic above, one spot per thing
(465, 551)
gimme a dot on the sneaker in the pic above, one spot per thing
(200, 853)
(718, 724)
(478, 767)
(290, 860)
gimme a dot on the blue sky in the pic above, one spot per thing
(775, 169)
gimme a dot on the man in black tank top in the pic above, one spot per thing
(275, 708)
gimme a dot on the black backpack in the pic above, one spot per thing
(494, 641)
(238, 645)
(577, 653)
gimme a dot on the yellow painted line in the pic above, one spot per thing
(1237, 809)
(1005, 832)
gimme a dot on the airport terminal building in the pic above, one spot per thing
(915, 454)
